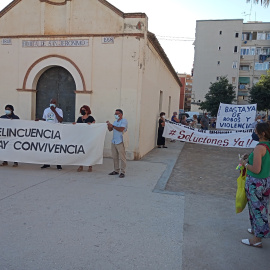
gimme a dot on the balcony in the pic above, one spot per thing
(243, 93)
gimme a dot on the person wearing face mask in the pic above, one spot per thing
(9, 114)
(161, 124)
(52, 114)
(85, 118)
(118, 127)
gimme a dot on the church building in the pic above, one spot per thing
(86, 52)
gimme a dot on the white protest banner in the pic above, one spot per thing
(236, 116)
(46, 143)
(222, 138)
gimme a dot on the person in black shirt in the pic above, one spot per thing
(161, 124)
(9, 114)
(85, 118)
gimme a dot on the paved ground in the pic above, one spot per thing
(91, 221)
(52, 220)
(212, 230)
(206, 170)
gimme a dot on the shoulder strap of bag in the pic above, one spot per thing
(266, 146)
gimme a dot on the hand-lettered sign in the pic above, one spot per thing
(236, 117)
(222, 138)
(46, 143)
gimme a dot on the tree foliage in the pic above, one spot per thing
(263, 2)
(260, 93)
(221, 91)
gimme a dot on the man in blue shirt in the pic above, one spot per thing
(118, 127)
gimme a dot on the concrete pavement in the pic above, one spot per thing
(156, 218)
(67, 220)
(206, 176)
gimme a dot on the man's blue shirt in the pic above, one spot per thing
(117, 135)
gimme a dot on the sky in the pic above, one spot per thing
(174, 21)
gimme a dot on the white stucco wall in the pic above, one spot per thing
(156, 78)
(127, 74)
(75, 17)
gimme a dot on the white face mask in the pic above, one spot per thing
(116, 116)
(52, 105)
(8, 112)
(163, 116)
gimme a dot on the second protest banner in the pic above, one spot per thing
(236, 117)
(237, 138)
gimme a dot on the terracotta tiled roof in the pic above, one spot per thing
(154, 41)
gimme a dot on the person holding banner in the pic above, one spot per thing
(194, 123)
(85, 118)
(204, 122)
(9, 114)
(184, 120)
(258, 120)
(118, 127)
(52, 114)
(258, 187)
(175, 120)
(161, 124)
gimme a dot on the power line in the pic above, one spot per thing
(175, 37)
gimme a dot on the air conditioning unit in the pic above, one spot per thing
(242, 56)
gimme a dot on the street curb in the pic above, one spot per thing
(163, 180)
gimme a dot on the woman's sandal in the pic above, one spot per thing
(247, 242)
(250, 231)
(80, 169)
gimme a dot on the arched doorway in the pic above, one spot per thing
(56, 82)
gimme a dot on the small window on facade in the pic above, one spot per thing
(218, 62)
(247, 36)
(220, 32)
(234, 65)
(219, 48)
(261, 36)
(217, 78)
(244, 67)
(254, 36)
(233, 80)
(235, 49)
(236, 35)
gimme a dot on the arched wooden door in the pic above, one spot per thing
(58, 83)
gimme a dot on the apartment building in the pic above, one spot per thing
(240, 51)
(185, 91)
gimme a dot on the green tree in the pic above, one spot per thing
(263, 2)
(260, 93)
(221, 91)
